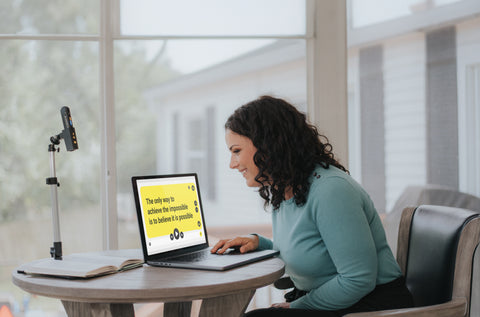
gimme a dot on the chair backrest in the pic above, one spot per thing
(436, 245)
(425, 195)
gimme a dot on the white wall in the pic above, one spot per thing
(405, 126)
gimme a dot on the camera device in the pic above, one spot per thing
(68, 133)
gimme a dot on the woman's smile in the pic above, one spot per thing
(242, 151)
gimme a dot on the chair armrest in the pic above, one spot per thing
(455, 308)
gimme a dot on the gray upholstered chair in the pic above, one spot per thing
(436, 246)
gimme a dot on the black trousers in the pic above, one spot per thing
(391, 295)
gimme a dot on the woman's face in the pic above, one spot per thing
(242, 151)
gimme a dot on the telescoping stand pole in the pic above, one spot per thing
(68, 134)
(56, 249)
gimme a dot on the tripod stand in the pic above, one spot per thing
(56, 249)
(68, 134)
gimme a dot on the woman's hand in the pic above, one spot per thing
(281, 305)
(243, 244)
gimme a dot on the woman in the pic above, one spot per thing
(324, 224)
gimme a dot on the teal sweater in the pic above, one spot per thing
(334, 246)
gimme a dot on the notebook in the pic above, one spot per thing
(172, 225)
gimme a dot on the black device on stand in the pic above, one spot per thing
(71, 143)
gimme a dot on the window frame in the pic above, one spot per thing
(326, 60)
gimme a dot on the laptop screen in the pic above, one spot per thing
(171, 212)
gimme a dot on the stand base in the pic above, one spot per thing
(56, 250)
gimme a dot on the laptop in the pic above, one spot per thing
(172, 225)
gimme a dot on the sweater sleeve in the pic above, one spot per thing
(264, 243)
(345, 230)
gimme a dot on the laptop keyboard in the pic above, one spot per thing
(192, 257)
(199, 256)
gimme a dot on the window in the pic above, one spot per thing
(212, 18)
(412, 78)
(199, 67)
(114, 81)
(32, 17)
(133, 77)
(38, 77)
(363, 15)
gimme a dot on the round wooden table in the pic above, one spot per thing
(224, 293)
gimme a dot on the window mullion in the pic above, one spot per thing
(327, 73)
(108, 166)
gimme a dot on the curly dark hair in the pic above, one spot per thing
(288, 147)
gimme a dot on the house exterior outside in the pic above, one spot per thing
(191, 115)
(414, 115)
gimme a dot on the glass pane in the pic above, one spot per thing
(37, 78)
(135, 72)
(180, 57)
(49, 17)
(159, 108)
(367, 12)
(213, 17)
(417, 86)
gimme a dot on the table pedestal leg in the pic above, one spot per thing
(180, 309)
(228, 305)
(77, 309)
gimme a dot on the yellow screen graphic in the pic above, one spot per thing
(170, 209)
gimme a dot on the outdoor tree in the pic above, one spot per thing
(38, 77)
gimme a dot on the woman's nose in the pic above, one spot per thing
(233, 163)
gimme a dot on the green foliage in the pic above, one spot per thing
(37, 78)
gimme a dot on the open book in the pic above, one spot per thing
(81, 265)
